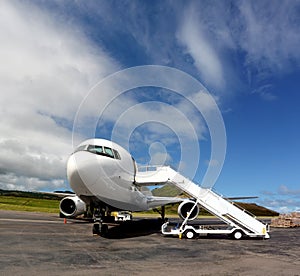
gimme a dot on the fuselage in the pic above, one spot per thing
(103, 169)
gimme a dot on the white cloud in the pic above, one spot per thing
(47, 68)
(284, 200)
(285, 205)
(182, 124)
(248, 41)
(159, 154)
(284, 190)
(264, 92)
(270, 34)
(50, 68)
(206, 59)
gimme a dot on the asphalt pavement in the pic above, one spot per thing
(38, 243)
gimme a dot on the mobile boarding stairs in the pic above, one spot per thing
(240, 222)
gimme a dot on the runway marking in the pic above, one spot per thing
(31, 220)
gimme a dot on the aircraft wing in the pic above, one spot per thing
(240, 197)
(58, 194)
(155, 201)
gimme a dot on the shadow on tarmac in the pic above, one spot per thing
(148, 226)
(131, 229)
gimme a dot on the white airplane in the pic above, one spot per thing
(105, 178)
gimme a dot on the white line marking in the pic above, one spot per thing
(30, 220)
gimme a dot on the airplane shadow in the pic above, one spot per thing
(146, 227)
(136, 228)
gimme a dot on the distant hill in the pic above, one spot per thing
(171, 190)
(257, 210)
(167, 190)
(38, 195)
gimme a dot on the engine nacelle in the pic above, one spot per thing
(185, 207)
(72, 206)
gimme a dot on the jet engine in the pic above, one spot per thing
(185, 207)
(72, 206)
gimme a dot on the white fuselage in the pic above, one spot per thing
(103, 169)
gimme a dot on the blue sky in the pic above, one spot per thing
(245, 53)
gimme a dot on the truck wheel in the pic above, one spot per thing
(190, 234)
(238, 234)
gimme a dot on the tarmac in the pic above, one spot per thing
(39, 243)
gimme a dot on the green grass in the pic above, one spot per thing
(39, 202)
(29, 204)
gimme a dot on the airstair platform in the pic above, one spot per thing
(215, 204)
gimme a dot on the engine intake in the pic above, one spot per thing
(185, 207)
(72, 206)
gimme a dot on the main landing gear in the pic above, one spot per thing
(99, 228)
(162, 213)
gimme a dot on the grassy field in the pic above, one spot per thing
(49, 203)
(29, 204)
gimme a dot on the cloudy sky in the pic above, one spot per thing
(59, 75)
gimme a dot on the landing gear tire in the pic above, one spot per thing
(237, 235)
(96, 229)
(104, 230)
(190, 234)
(100, 229)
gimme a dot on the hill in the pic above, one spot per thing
(167, 190)
(39, 195)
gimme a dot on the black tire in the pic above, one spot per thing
(190, 234)
(104, 230)
(237, 235)
(96, 229)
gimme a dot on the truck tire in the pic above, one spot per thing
(190, 234)
(238, 234)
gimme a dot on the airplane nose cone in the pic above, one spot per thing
(71, 167)
(72, 171)
(81, 172)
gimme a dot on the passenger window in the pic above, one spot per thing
(117, 155)
(109, 152)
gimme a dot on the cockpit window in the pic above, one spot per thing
(106, 151)
(109, 152)
(95, 149)
(117, 155)
(80, 148)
